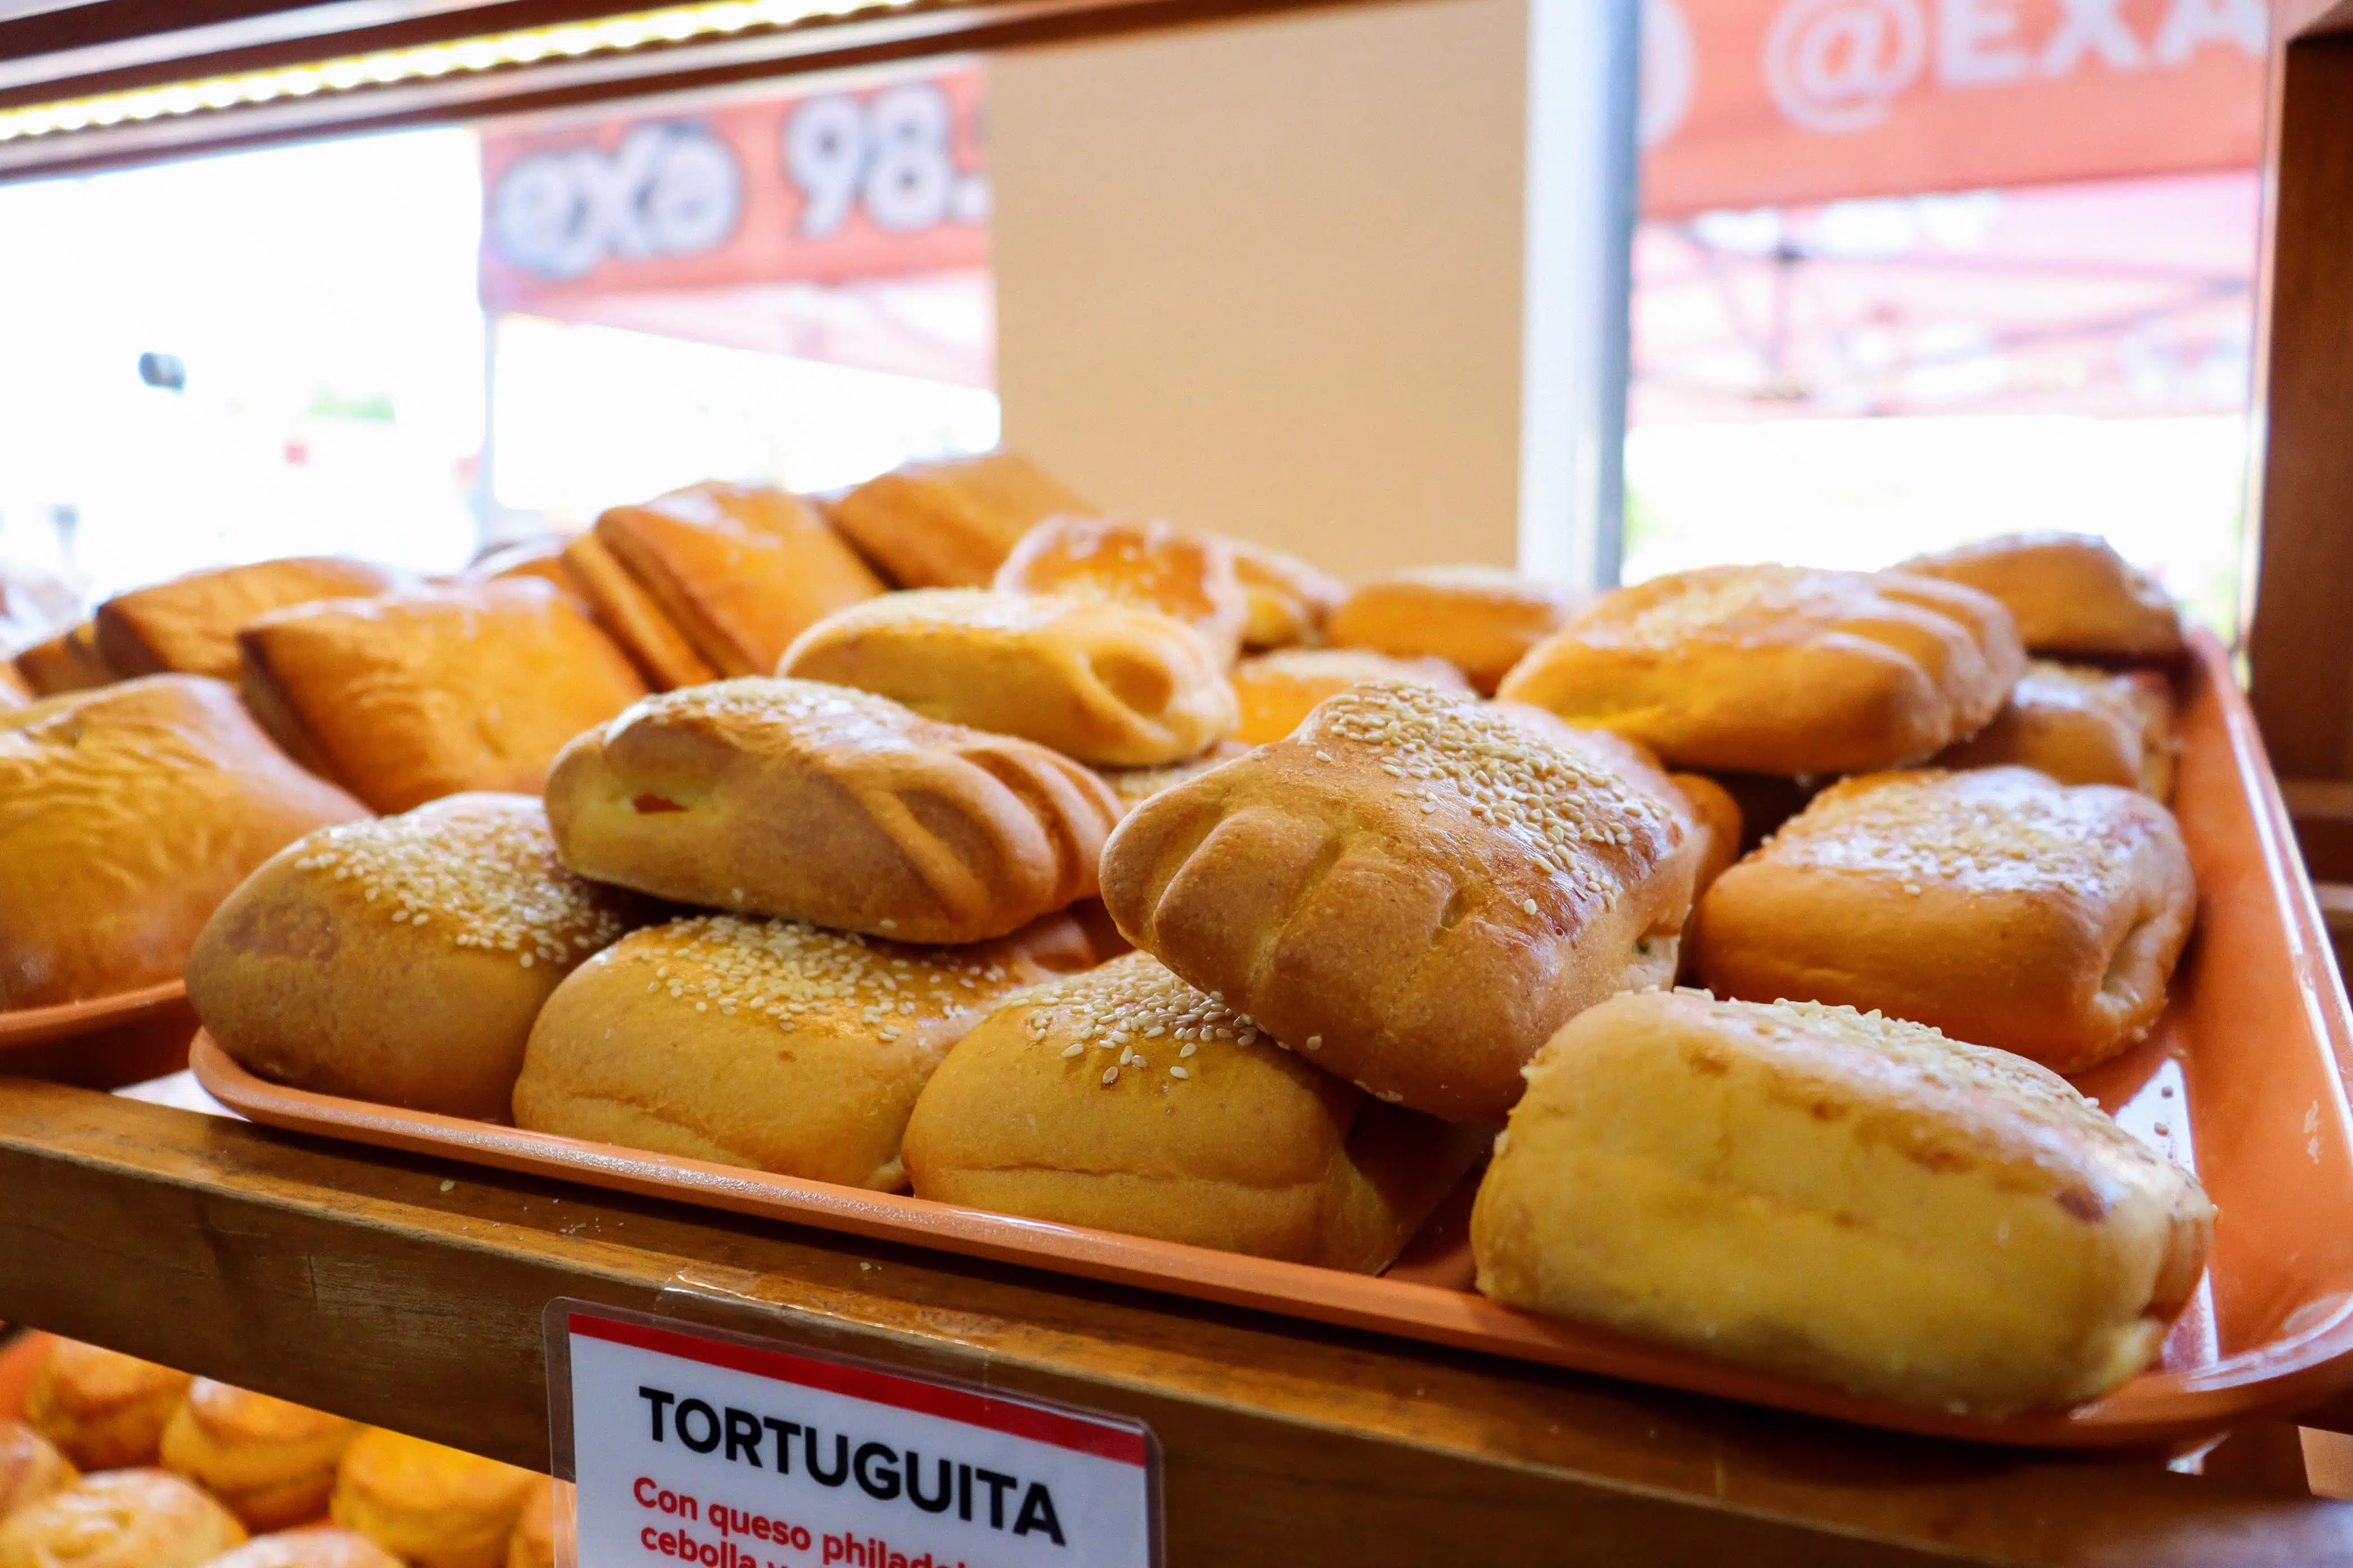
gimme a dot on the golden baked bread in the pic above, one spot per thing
(540, 556)
(1125, 1100)
(817, 803)
(31, 1467)
(402, 961)
(431, 1507)
(1188, 578)
(132, 812)
(271, 1463)
(1276, 689)
(1717, 814)
(189, 624)
(1837, 1197)
(1133, 787)
(950, 524)
(739, 570)
(14, 692)
(1415, 888)
(2004, 909)
(629, 615)
(406, 698)
(127, 1518)
(103, 1410)
(70, 661)
(2068, 592)
(771, 1044)
(1288, 600)
(318, 1547)
(2080, 725)
(1104, 683)
(1780, 670)
(532, 1545)
(1480, 619)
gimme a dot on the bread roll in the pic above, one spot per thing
(14, 692)
(2080, 725)
(1125, 1100)
(189, 624)
(2068, 592)
(408, 696)
(1480, 619)
(1779, 669)
(313, 1548)
(430, 1506)
(1717, 814)
(1133, 787)
(1276, 689)
(31, 1467)
(1837, 1197)
(1188, 578)
(950, 524)
(272, 1463)
(132, 812)
(402, 961)
(532, 1545)
(1288, 600)
(741, 569)
(1417, 887)
(770, 1044)
(541, 556)
(1105, 683)
(130, 1519)
(629, 615)
(817, 803)
(103, 1410)
(70, 661)
(2004, 909)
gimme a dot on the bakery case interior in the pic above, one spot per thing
(1442, 781)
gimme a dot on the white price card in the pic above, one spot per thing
(692, 1446)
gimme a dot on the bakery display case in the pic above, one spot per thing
(924, 952)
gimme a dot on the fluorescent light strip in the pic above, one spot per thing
(674, 25)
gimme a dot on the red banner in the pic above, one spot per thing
(1761, 102)
(832, 188)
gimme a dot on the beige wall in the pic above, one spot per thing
(1266, 277)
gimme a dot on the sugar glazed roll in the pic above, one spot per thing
(124, 1518)
(1188, 578)
(1840, 1198)
(272, 1462)
(1480, 619)
(2001, 907)
(1415, 888)
(950, 524)
(1106, 683)
(402, 959)
(2070, 593)
(103, 1410)
(813, 802)
(1125, 1100)
(432, 1506)
(1779, 669)
(764, 1042)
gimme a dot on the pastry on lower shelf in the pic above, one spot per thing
(1417, 885)
(627, 614)
(103, 1410)
(1780, 670)
(1188, 578)
(402, 959)
(1109, 684)
(318, 1547)
(189, 624)
(2004, 909)
(271, 1462)
(1288, 600)
(771, 1044)
(739, 570)
(1480, 619)
(1840, 1198)
(2081, 725)
(813, 802)
(532, 1545)
(1276, 689)
(430, 1506)
(951, 523)
(132, 811)
(406, 698)
(2070, 593)
(31, 1467)
(1125, 1100)
(124, 1518)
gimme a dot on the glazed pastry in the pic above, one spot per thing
(31, 1469)
(69, 662)
(1779, 669)
(272, 1463)
(2070, 593)
(126, 1518)
(532, 1545)
(1480, 619)
(1276, 689)
(1717, 816)
(541, 556)
(189, 624)
(817, 803)
(1288, 600)
(1188, 578)
(430, 1506)
(1133, 787)
(1837, 1197)
(629, 615)
(2001, 907)
(2080, 725)
(950, 524)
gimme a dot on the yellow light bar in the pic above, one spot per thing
(672, 25)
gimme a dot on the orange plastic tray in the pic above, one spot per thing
(2241, 1077)
(103, 1043)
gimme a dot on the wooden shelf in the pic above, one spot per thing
(408, 1292)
